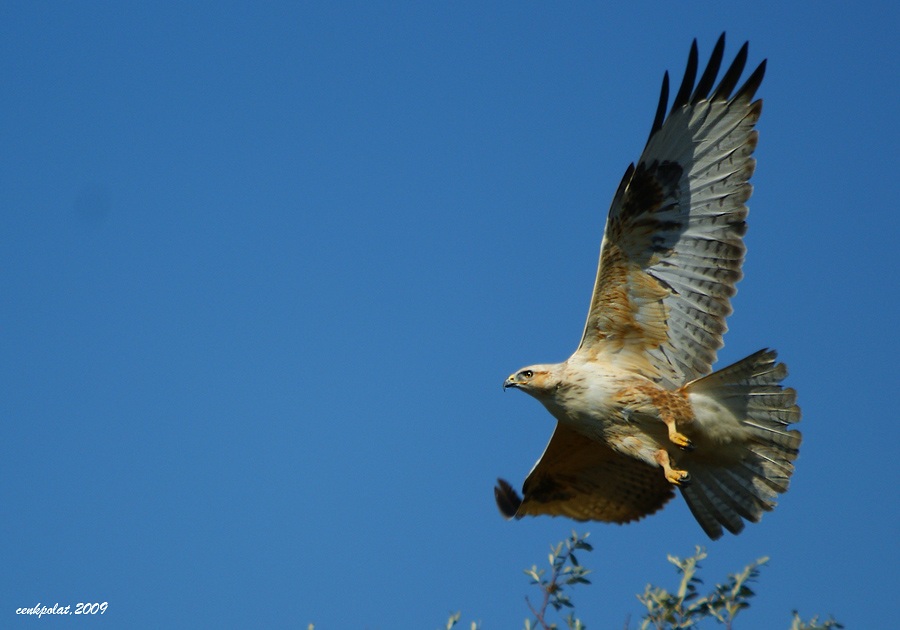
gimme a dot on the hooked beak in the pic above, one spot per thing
(510, 382)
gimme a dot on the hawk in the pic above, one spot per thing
(639, 410)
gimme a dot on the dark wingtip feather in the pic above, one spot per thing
(753, 82)
(508, 500)
(722, 92)
(661, 107)
(687, 82)
(731, 75)
(712, 71)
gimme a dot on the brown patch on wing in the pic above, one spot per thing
(627, 308)
(644, 196)
(586, 480)
(628, 303)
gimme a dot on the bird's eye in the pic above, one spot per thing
(526, 373)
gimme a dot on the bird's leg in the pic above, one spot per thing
(673, 475)
(670, 406)
(679, 439)
(664, 404)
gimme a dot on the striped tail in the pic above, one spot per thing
(746, 414)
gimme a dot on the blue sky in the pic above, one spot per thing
(264, 270)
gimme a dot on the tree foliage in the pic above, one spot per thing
(686, 607)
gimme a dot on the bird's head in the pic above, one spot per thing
(541, 381)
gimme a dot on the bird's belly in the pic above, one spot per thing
(635, 435)
(600, 406)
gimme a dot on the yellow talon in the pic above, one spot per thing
(678, 477)
(673, 475)
(679, 439)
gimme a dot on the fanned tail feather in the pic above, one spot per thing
(740, 476)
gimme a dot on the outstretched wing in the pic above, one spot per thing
(673, 245)
(587, 481)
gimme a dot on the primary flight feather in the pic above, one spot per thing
(639, 411)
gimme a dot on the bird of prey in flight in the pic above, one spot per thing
(639, 410)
